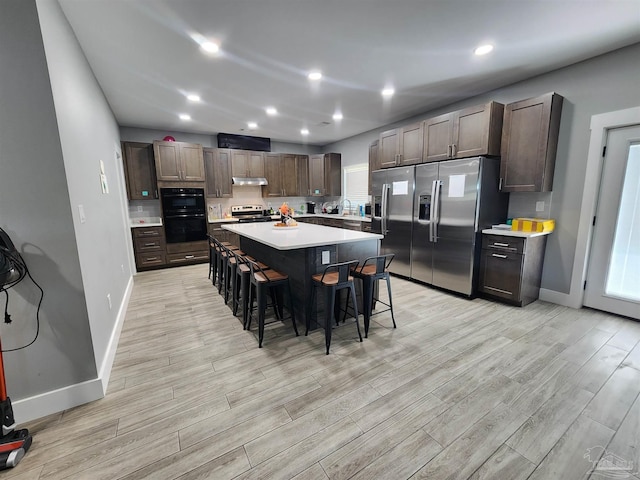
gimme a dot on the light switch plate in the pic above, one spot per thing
(83, 218)
(539, 206)
(326, 257)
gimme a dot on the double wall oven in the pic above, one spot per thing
(184, 214)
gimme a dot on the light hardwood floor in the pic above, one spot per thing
(461, 389)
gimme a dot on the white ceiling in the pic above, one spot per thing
(145, 59)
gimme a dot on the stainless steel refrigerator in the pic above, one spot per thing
(452, 201)
(392, 214)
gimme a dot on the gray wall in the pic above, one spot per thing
(35, 210)
(602, 84)
(89, 134)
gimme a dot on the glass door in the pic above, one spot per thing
(613, 278)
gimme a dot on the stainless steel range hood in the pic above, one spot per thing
(249, 181)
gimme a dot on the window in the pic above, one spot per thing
(356, 185)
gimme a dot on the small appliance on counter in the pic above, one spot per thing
(311, 207)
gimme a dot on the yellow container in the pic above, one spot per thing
(533, 225)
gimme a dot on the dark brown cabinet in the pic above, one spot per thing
(325, 174)
(247, 163)
(374, 161)
(281, 171)
(186, 253)
(217, 164)
(140, 171)
(469, 132)
(511, 267)
(178, 162)
(222, 235)
(529, 144)
(302, 164)
(401, 146)
(149, 247)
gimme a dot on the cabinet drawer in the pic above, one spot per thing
(503, 243)
(150, 259)
(500, 274)
(188, 257)
(146, 232)
(150, 244)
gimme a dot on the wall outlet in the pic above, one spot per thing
(109, 300)
(140, 208)
(540, 206)
(122, 267)
(326, 257)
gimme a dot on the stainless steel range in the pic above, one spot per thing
(250, 213)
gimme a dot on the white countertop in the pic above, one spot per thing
(304, 215)
(146, 222)
(303, 236)
(513, 233)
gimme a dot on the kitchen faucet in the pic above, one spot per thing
(342, 203)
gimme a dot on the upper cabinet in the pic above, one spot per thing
(287, 175)
(401, 146)
(217, 164)
(529, 143)
(325, 174)
(466, 133)
(179, 162)
(247, 163)
(140, 171)
(374, 161)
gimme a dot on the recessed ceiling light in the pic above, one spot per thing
(193, 97)
(388, 92)
(337, 116)
(252, 125)
(483, 49)
(315, 75)
(184, 116)
(271, 111)
(210, 47)
(304, 131)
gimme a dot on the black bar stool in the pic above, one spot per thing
(240, 288)
(223, 268)
(260, 281)
(230, 259)
(370, 271)
(215, 260)
(334, 278)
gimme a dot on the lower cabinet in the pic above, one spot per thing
(222, 235)
(511, 267)
(187, 252)
(149, 247)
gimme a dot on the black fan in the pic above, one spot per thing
(12, 266)
(13, 443)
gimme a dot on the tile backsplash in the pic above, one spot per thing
(523, 204)
(144, 209)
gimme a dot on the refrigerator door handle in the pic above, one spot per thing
(432, 211)
(385, 191)
(435, 220)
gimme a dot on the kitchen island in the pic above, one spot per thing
(303, 251)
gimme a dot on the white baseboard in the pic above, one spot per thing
(107, 363)
(559, 298)
(38, 406)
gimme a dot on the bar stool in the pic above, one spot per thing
(229, 257)
(334, 278)
(240, 288)
(260, 281)
(223, 267)
(215, 260)
(370, 271)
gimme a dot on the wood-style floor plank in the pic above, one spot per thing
(462, 389)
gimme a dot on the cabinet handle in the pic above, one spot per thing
(151, 258)
(193, 256)
(498, 244)
(156, 193)
(500, 185)
(149, 244)
(497, 255)
(453, 150)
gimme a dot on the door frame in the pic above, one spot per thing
(600, 125)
